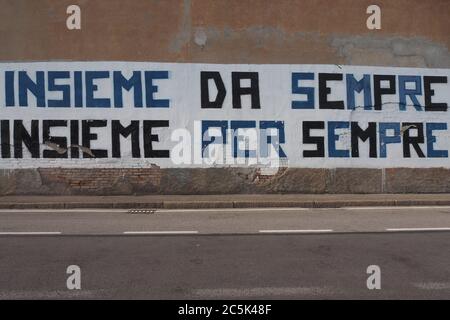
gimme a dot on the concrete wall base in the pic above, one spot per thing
(143, 181)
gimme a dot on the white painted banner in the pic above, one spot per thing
(135, 114)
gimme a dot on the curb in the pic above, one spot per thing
(222, 204)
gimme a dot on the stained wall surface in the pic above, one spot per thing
(414, 34)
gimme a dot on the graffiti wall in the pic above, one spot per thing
(129, 114)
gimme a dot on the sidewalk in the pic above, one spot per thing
(223, 201)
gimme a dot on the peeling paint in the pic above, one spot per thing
(55, 147)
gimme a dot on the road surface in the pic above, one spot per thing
(226, 254)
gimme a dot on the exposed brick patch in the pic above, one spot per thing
(154, 180)
(81, 180)
(355, 180)
(417, 180)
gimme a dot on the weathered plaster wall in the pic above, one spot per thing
(414, 33)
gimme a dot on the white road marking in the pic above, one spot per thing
(432, 285)
(53, 294)
(261, 292)
(394, 208)
(28, 233)
(296, 231)
(418, 229)
(160, 232)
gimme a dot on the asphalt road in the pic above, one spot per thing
(227, 254)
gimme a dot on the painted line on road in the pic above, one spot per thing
(296, 231)
(29, 233)
(51, 294)
(160, 232)
(261, 292)
(418, 229)
(395, 208)
(194, 232)
(432, 285)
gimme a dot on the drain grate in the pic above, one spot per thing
(141, 211)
